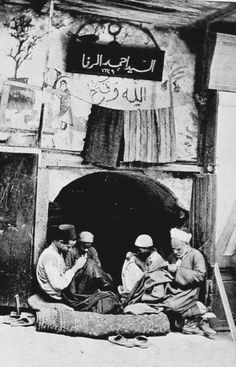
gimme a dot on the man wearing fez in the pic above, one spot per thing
(51, 270)
(70, 270)
(187, 266)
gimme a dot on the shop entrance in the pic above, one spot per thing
(116, 208)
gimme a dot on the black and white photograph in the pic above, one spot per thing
(117, 169)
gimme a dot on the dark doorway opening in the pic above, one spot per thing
(116, 208)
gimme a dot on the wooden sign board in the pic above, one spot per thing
(223, 65)
(114, 60)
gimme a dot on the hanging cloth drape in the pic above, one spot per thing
(149, 136)
(203, 214)
(103, 138)
(141, 136)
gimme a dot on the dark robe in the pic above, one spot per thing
(149, 290)
(89, 285)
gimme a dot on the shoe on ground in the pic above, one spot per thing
(209, 315)
(140, 341)
(205, 327)
(121, 340)
(191, 328)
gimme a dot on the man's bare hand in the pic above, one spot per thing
(172, 268)
(79, 264)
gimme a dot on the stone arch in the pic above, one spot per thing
(116, 207)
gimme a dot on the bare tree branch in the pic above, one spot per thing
(19, 28)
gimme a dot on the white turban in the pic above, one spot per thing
(144, 241)
(86, 237)
(180, 235)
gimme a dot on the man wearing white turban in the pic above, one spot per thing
(187, 265)
(143, 278)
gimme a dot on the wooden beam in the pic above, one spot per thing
(209, 149)
(171, 13)
(162, 13)
(227, 232)
(161, 20)
(225, 302)
(217, 15)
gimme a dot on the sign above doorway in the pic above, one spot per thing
(114, 60)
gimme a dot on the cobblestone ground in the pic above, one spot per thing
(25, 347)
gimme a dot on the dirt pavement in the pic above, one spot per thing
(25, 347)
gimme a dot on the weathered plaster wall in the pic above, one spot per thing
(66, 109)
(176, 86)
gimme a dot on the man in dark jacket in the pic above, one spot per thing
(89, 280)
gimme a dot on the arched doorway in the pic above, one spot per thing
(116, 208)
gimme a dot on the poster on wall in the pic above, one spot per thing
(64, 125)
(23, 35)
(223, 66)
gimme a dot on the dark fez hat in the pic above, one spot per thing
(67, 232)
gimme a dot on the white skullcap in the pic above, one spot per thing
(86, 237)
(144, 240)
(180, 235)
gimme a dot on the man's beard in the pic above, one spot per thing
(143, 255)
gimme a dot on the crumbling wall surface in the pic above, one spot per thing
(33, 72)
(44, 107)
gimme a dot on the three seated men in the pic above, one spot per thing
(70, 271)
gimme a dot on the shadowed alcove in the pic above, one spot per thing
(116, 208)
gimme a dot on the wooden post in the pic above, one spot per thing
(225, 302)
(45, 76)
(4, 102)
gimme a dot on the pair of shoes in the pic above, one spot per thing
(205, 327)
(24, 319)
(121, 340)
(139, 341)
(191, 328)
(209, 315)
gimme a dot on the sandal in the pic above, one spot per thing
(14, 319)
(24, 321)
(121, 340)
(140, 341)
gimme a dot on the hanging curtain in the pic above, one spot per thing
(140, 136)
(166, 122)
(149, 136)
(103, 137)
(203, 214)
